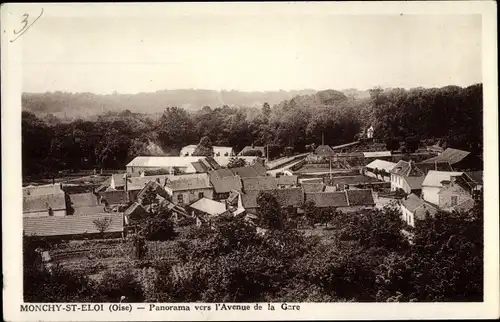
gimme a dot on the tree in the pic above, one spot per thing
(157, 227)
(411, 144)
(269, 211)
(327, 215)
(102, 224)
(252, 152)
(310, 212)
(392, 144)
(174, 128)
(149, 198)
(266, 110)
(236, 163)
(140, 246)
(204, 148)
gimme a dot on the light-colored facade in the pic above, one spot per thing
(219, 151)
(188, 196)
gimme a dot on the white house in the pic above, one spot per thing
(219, 151)
(414, 208)
(406, 176)
(433, 183)
(386, 166)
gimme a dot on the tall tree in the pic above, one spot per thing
(204, 148)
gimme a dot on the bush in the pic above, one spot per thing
(253, 152)
(115, 285)
(157, 228)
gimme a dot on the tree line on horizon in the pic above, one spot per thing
(450, 115)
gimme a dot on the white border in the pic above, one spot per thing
(11, 164)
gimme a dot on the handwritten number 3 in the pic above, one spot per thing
(25, 25)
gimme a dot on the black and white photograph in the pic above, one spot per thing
(256, 157)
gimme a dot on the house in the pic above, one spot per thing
(187, 190)
(290, 199)
(205, 210)
(323, 150)
(346, 182)
(205, 165)
(379, 169)
(400, 174)
(223, 186)
(219, 151)
(44, 205)
(141, 164)
(259, 183)
(433, 183)
(84, 204)
(456, 191)
(414, 208)
(74, 227)
(346, 201)
(248, 148)
(285, 182)
(458, 159)
(312, 187)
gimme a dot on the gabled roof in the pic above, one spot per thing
(42, 203)
(259, 183)
(435, 178)
(255, 170)
(114, 197)
(415, 183)
(221, 173)
(189, 184)
(42, 190)
(476, 176)
(351, 180)
(418, 206)
(70, 225)
(262, 149)
(83, 199)
(157, 188)
(362, 197)
(323, 150)
(328, 199)
(381, 164)
(287, 180)
(289, 197)
(209, 206)
(313, 187)
(449, 155)
(224, 185)
(408, 169)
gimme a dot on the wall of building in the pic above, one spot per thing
(431, 194)
(407, 216)
(445, 195)
(190, 196)
(398, 182)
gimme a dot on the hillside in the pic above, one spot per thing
(84, 105)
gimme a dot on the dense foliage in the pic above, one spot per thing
(452, 114)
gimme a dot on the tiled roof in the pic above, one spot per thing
(42, 190)
(328, 199)
(351, 180)
(83, 199)
(157, 188)
(449, 155)
(313, 187)
(70, 225)
(476, 176)
(223, 185)
(209, 206)
(408, 169)
(289, 197)
(189, 183)
(412, 202)
(415, 183)
(255, 170)
(287, 180)
(259, 183)
(114, 197)
(221, 173)
(381, 164)
(323, 150)
(262, 149)
(199, 167)
(434, 178)
(362, 197)
(286, 197)
(41, 203)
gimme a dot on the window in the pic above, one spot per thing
(180, 199)
(200, 195)
(453, 201)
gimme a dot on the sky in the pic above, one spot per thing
(250, 52)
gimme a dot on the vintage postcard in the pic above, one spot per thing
(250, 161)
